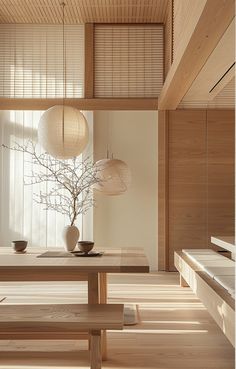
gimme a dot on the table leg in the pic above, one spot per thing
(93, 288)
(97, 293)
(103, 300)
(103, 288)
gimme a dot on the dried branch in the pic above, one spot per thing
(69, 182)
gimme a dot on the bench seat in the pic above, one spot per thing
(220, 270)
(54, 320)
(226, 281)
(215, 291)
(215, 265)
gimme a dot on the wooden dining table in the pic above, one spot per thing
(33, 266)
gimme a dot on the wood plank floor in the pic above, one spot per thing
(175, 330)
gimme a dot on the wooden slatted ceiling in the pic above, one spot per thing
(83, 11)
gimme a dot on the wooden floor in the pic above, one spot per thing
(175, 330)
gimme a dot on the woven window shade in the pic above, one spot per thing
(128, 60)
(31, 61)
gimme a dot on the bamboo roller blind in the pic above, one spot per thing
(128, 60)
(31, 61)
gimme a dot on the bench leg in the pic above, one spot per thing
(95, 350)
(182, 281)
(97, 293)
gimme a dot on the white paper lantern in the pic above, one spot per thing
(114, 176)
(63, 132)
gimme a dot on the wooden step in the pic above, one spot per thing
(60, 318)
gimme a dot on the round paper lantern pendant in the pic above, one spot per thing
(114, 177)
(63, 132)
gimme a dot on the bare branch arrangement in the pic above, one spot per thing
(69, 182)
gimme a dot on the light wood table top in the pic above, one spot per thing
(113, 260)
(67, 268)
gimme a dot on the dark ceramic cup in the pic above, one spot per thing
(85, 246)
(19, 246)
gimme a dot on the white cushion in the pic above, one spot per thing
(226, 281)
(220, 270)
(205, 257)
(198, 251)
(217, 263)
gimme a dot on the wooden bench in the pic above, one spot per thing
(60, 321)
(216, 299)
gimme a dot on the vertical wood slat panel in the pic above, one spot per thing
(200, 197)
(221, 171)
(163, 247)
(187, 181)
(128, 60)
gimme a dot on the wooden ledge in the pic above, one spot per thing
(81, 104)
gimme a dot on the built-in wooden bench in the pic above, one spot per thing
(58, 321)
(203, 281)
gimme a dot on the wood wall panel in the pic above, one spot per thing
(199, 195)
(187, 181)
(162, 190)
(221, 164)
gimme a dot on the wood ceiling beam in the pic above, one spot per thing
(213, 21)
(81, 104)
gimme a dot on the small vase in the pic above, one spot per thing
(70, 236)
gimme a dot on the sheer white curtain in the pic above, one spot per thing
(20, 216)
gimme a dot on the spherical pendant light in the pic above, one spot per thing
(63, 131)
(114, 176)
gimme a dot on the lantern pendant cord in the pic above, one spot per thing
(64, 70)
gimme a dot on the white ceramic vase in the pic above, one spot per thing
(70, 236)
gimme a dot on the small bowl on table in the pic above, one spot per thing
(85, 246)
(19, 246)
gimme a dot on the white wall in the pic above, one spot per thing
(129, 220)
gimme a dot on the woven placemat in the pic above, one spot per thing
(64, 254)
